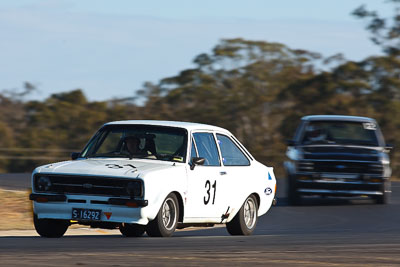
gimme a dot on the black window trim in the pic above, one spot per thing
(192, 143)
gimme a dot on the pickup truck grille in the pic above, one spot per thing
(341, 167)
(86, 185)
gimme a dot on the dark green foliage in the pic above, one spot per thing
(38, 132)
(385, 31)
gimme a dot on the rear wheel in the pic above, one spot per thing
(132, 230)
(245, 220)
(50, 227)
(165, 223)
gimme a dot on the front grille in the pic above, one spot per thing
(87, 185)
(341, 167)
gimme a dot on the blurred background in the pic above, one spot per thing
(254, 68)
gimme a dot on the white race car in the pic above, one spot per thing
(154, 176)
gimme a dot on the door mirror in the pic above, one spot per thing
(75, 155)
(197, 161)
(389, 147)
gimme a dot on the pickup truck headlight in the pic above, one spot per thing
(43, 184)
(134, 189)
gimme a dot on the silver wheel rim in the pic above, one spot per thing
(169, 214)
(250, 213)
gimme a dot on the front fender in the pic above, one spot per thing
(151, 211)
(158, 187)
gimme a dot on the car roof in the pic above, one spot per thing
(190, 126)
(337, 118)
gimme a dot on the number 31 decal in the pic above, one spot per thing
(208, 188)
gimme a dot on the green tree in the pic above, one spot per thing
(236, 87)
(385, 31)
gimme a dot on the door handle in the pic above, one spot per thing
(222, 173)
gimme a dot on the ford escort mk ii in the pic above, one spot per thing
(154, 176)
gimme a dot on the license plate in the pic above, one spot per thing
(86, 214)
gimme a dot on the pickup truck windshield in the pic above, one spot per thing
(341, 132)
(138, 141)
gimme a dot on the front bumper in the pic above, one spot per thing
(339, 185)
(117, 210)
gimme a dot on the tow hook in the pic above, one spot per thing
(225, 216)
(274, 202)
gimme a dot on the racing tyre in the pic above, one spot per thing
(50, 227)
(245, 220)
(132, 230)
(165, 223)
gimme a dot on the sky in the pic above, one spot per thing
(110, 48)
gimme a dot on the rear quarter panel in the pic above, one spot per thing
(260, 181)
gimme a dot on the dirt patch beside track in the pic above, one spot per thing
(16, 210)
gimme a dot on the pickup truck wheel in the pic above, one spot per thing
(385, 197)
(294, 197)
(132, 230)
(245, 220)
(165, 223)
(50, 227)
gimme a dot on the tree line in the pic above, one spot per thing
(257, 89)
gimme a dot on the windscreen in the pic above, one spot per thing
(341, 132)
(138, 141)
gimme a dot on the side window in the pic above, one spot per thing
(207, 148)
(231, 154)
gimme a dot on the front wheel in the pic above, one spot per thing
(294, 197)
(382, 199)
(385, 197)
(165, 223)
(132, 230)
(245, 220)
(50, 227)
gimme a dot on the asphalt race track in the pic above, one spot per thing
(327, 232)
(15, 181)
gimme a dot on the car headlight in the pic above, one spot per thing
(43, 184)
(134, 189)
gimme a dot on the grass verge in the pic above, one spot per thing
(16, 210)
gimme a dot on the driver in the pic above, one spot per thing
(133, 147)
(316, 134)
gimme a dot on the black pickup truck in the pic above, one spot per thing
(338, 156)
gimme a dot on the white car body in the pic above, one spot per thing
(206, 194)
